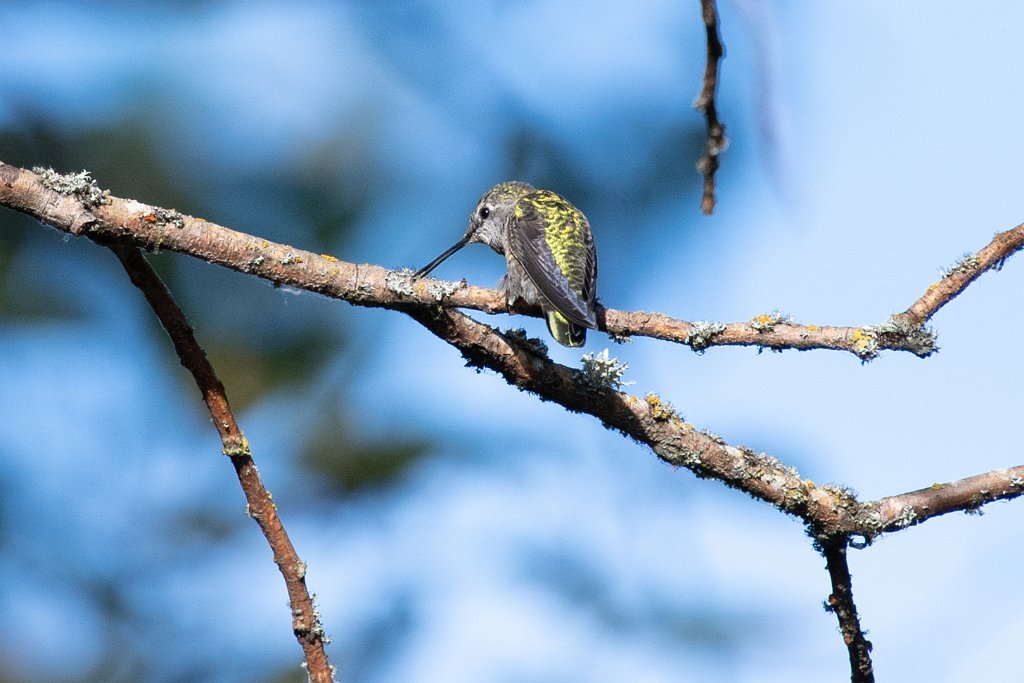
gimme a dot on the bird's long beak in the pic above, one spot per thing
(447, 252)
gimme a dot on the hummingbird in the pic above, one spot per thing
(549, 254)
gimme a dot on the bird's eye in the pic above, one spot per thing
(484, 212)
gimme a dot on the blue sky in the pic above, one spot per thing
(870, 145)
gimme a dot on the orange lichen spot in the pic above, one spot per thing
(150, 218)
(661, 410)
(813, 328)
(654, 402)
(864, 343)
(328, 257)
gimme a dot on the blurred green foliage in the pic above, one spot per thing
(346, 463)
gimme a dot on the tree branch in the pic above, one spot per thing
(840, 602)
(81, 209)
(964, 495)
(716, 141)
(649, 420)
(963, 272)
(101, 216)
(305, 620)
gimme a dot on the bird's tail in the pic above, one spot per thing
(565, 333)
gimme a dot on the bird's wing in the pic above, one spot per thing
(546, 228)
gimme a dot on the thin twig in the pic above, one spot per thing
(966, 270)
(305, 620)
(964, 495)
(840, 602)
(716, 141)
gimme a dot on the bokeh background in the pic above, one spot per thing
(455, 529)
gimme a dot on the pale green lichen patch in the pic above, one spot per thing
(442, 289)
(965, 263)
(688, 458)
(766, 322)
(601, 371)
(714, 436)
(898, 333)
(702, 333)
(844, 494)
(399, 281)
(79, 184)
(906, 517)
